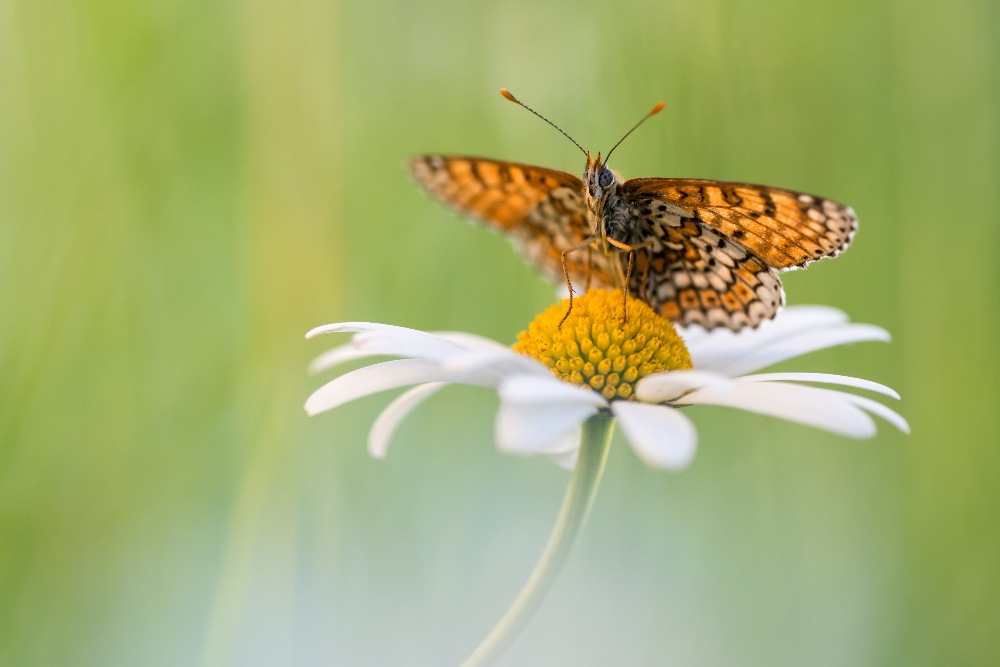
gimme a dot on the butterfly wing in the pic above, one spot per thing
(717, 246)
(541, 210)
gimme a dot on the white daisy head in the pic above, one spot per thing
(641, 371)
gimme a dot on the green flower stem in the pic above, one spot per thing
(594, 446)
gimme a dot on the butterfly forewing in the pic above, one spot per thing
(783, 228)
(542, 210)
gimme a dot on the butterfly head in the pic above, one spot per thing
(600, 181)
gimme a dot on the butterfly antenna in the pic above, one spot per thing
(656, 109)
(506, 93)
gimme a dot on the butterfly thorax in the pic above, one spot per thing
(608, 211)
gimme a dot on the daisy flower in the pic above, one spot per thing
(555, 378)
(562, 388)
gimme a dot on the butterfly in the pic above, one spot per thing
(699, 252)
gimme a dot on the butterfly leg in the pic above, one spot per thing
(565, 268)
(645, 273)
(630, 249)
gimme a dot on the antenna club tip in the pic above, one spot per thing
(506, 93)
(658, 108)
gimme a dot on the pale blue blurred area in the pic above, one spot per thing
(187, 187)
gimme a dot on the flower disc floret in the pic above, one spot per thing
(594, 349)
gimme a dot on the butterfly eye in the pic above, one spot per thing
(605, 178)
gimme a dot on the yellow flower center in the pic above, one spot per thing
(594, 349)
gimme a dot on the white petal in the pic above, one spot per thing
(567, 442)
(380, 377)
(389, 419)
(660, 435)
(399, 344)
(880, 410)
(693, 335)
(338, 355)
(824, 378)
(802, 318)
(796, 319)
(740, 362)
(500, 363)
(355, 327)
(704, 346)
(528, 429)
(565, 460)
(667, 386)
(470, 341)
(386, 339)
(565, 450)
(537, 411)
(547, 389)
(821, 408)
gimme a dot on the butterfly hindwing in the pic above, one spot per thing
(698, 276)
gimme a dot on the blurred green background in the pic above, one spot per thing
(187, 187)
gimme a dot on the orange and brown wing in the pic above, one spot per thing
(717, 246)
(541, 210)
(783, 228)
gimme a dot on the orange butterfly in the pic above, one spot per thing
(707, 252)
